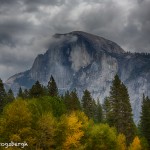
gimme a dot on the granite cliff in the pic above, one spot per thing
(84, 61)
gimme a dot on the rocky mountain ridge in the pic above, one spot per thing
(84, 61)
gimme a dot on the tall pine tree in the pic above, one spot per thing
(106, 110)
(20, 93)
(10, 96)
(26, 94)
(120, 114)
(145, 119)
(71, 101)
(52, 87)
(87, 104)
(36, 90)
(99, 112)
(3, 95)
(66, 99)
(74, 101)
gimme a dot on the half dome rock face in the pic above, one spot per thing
(84, 61)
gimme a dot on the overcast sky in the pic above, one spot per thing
(27, 25)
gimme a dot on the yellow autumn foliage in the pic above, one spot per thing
(73, 133)
(16, 123)
(46, 131)
(121, 142)
(136, 144)
(17, 116)
(15, 138)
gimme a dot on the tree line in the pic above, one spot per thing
(47, 120)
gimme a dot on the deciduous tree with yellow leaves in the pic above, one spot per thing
(46, 131)
(70, 131)
(121, 142)
(73, 133)
(136, 144)
(16, 123)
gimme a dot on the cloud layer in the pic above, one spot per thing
(26, 26)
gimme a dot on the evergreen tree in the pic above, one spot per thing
(52, 87)
(66, 99)
(36, 90)
(106, 109)
(71, 101)
(74, 101)
(2, 96)
(10, 96)
(145, 119)
(115, 96)
(99, 112)
(120, 114)
(87, 104)
(26, 94)
(94, 111)
(20, 93)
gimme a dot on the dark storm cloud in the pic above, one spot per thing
(32, 2)
(33, 5)
(11, 29)
(26, 26)
(44, 2)
(138, 27)
(7, 2)
(102, 17)
(6, 39)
